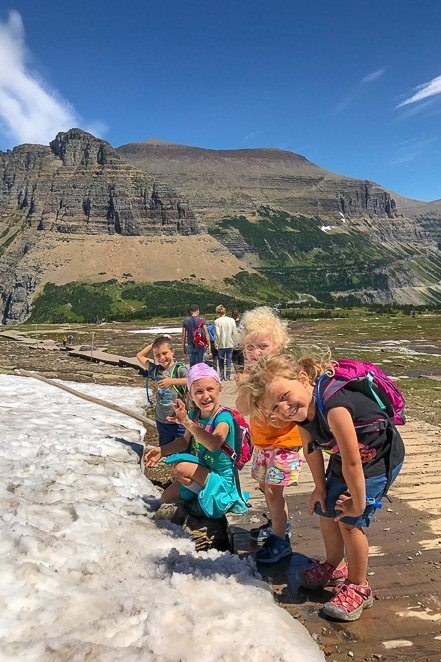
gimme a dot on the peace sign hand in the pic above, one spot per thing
(181, 415)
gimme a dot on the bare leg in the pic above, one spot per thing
(357, 552)
(333, 540)
(187, 473)
(278, 509)
(171, 493)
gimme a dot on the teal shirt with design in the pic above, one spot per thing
(216, 461)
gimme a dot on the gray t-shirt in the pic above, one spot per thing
(190, 324)
(166, 396)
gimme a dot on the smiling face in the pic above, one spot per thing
(258, 345)
(205, 394)
(289, 399)
(163, 355)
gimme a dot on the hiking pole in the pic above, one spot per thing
(90, 398)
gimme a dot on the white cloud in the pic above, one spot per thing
(357, 89)
(372, 76)
(411, 149)
(30, 112)
(424, 91)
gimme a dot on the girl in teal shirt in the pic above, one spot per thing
(201, 469)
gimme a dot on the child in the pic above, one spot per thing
(171, 378)
(277, 455)
(364, 462)
(202, 470)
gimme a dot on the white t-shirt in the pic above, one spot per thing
(224, 332)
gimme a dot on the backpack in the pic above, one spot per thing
(156, 372)
(198, 335)
(366, 378)
(243, 450)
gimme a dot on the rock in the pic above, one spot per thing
(205, 532)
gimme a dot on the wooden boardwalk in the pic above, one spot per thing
(97, 354)
(405, 560)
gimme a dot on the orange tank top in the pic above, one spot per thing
(263, 435)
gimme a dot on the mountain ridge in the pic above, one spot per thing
(79, 208)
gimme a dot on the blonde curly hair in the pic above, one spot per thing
(268, 368)
(264, 320)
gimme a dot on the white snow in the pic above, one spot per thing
(158, 330)
(85, 571)
(325, 228)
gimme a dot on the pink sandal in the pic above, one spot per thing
(349, 602)
(322, 575)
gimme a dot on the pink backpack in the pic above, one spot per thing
(368, 379)
(243, 450)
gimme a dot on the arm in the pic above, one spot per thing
(207, 336)
(143, 355)
(317, 467)
(342, 427)
(179, 445)
(173, 381)
(216, 334)
(211, 440)
(242, 404)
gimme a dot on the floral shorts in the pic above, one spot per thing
(277, 466)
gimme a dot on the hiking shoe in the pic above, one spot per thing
(349, 601)
(273, 550)
(263, 532)
(321, 575)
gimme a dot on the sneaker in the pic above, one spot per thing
(349, 602)
(263, 532)
(321, 575)
(273, 550)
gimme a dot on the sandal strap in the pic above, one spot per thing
(325, 571)
(351, 596)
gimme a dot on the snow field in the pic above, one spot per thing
(87, 574)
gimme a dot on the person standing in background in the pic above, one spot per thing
(238, 356)
(224, 340)
(195, 336)
(214, 355)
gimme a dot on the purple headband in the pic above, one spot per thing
(201, 371)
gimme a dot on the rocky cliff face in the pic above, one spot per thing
(79, 201)
(80, 184)
(231, 182)
(76, 185)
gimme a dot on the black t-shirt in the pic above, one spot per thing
(379, 442)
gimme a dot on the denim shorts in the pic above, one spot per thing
(169, 432)
(335, 487)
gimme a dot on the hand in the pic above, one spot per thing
(152, 457)
(181, 415)
(346, 507)
(318, 496)
(165, 382)
(184, 351)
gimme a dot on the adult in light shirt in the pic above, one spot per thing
(224, 340)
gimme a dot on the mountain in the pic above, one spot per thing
(224, 182)
(261, 224)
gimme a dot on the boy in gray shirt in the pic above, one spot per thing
(170, 378)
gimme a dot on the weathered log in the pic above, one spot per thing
(90, 398)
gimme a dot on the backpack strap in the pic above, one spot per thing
(180, 390)
(154, 374)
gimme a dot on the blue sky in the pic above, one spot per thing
(355, 86)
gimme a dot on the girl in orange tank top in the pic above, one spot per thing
(277, 456)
